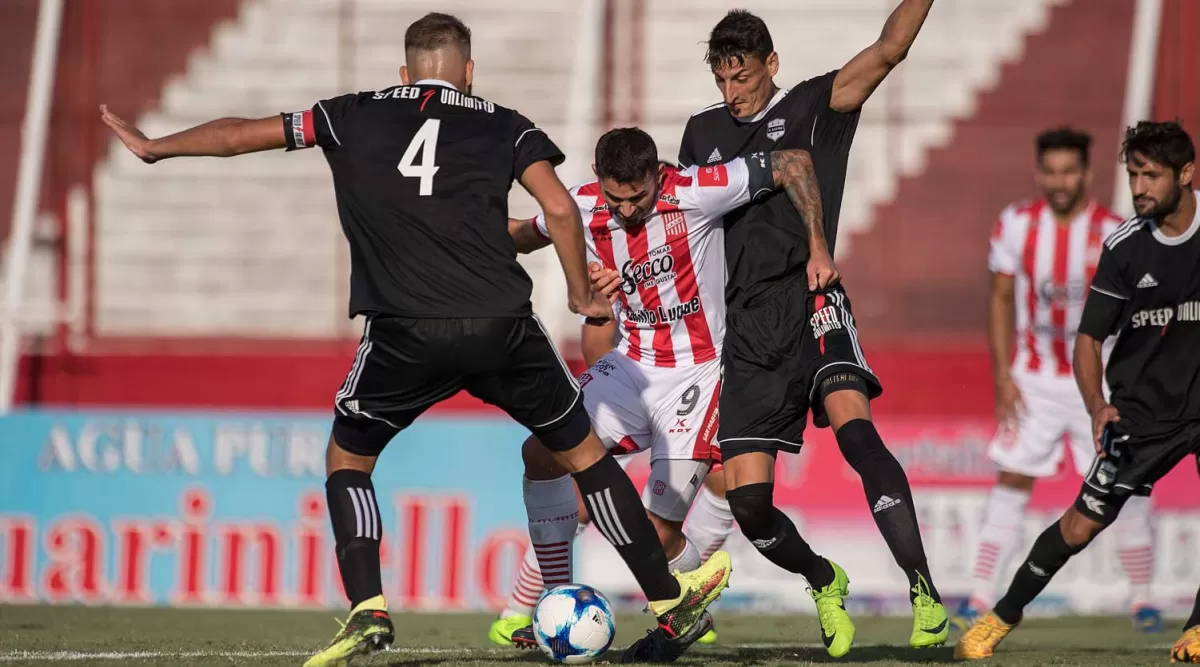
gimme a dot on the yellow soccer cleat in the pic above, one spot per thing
(981, 640)
(931, 626)
(837, 630)
(502, 629)
(682, 621)
(1187, 649)
(369, 629)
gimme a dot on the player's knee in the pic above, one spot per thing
(540, 463)
(338, 457)
(1079, 529)
(1015, 481)
(356, 442)
(568, 433)
(753, 507)
(747, 466)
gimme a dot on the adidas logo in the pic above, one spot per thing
(1037, 571)
(1147, 281)
(763, 544)
(715, 157)
(885, 502)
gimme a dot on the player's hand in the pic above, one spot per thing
(597, 311)
(1009, 403)
(134, 140)
(605, 281)
(822, 272)
(1102, 417)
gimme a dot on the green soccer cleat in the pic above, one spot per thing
(709, 638)
(837, 630)
(369, 629)
(501, 632)
(931, 625)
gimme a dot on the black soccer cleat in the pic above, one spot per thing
(524, 638)
(656, 646)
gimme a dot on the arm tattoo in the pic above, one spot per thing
(793, 172)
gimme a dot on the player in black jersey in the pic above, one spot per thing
(791, 342)
(422, 173)
(1146, 291)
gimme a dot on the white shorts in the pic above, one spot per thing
(1053, 409)
(670, 411)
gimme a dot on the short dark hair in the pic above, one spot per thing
(736, 36)
(436, 31)
(1165, 143)
(625, 155)
(1065, 138)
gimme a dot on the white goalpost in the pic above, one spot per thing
(29, 186)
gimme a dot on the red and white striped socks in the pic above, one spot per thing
(529, 583)
(553, 522)
(998, 539)
(1135, 546)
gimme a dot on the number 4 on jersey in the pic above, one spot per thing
(425, 143)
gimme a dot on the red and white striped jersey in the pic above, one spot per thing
(1053, 265)
(671, 310)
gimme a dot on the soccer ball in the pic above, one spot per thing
(573, 624)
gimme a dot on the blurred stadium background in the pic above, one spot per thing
(172, 335)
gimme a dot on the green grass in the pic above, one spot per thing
(49, 635)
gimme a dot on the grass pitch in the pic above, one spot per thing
(42, 635)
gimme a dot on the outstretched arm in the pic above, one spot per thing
(224, 137)
(860, 77)
(793, 172)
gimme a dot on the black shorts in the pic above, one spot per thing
(780, 359)
(1130, 467)
(405, 365)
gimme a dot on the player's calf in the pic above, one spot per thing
(1051, 551)
(888, 493)
(354, 514)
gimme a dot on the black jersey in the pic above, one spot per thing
(1147, 286)
(422, 175)
(766, 242)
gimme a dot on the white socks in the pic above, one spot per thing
(708, 525)
(1135, 545)
(998, 539)
(687, 560)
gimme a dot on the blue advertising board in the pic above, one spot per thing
(229, 509)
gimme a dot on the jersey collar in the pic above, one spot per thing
(1182, 238)
(435, 82)
(779, 95)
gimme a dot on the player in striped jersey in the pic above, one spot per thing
(1043, 256)
(659, 228)
(708, 525)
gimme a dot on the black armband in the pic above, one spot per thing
(761, 180)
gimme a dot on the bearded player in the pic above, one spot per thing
(1146, 293)
(1043, 256)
